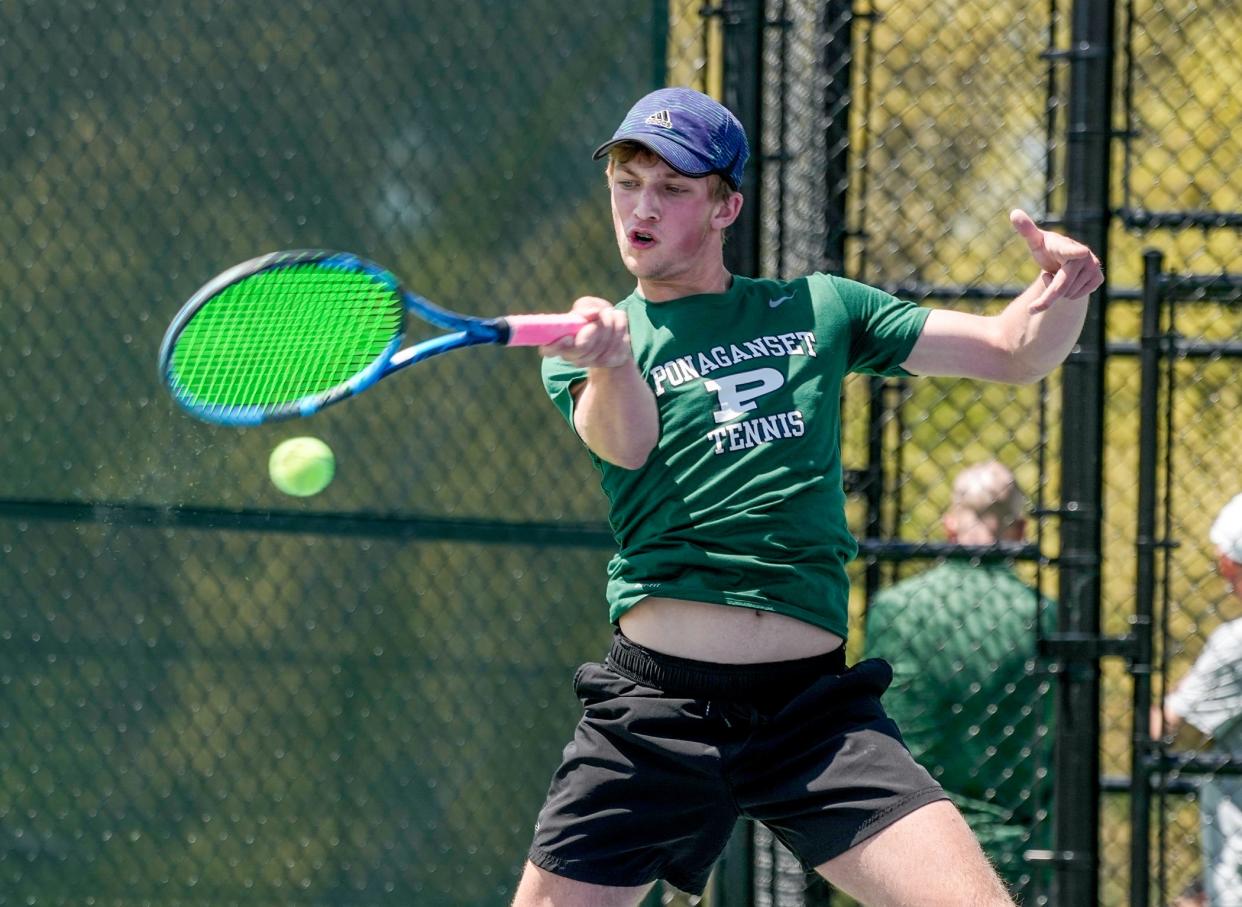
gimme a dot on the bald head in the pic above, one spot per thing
(987, 506)
(1226, 535)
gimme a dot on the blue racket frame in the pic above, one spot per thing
(467, 331)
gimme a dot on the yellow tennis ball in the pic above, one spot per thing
(301, 466)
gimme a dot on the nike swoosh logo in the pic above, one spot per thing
(773, 303)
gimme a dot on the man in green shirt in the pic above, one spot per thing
(709, 402)
(961, 641)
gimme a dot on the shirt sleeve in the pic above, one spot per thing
(1210, 695)
(883, 328)
(559, 377)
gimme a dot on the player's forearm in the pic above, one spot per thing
(1039, 342)
(615, 415)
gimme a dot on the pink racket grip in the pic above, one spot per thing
(536, 330)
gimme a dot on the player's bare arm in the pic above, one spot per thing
(1033, 334)
(614, 411)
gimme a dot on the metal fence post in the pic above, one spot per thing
(837, 56)
(743, 22)
(1146, 544)
(1077, 762)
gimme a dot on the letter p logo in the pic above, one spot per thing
(738, 393)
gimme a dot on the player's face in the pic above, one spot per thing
(667, 225)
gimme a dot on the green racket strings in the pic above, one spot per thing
(284, 335)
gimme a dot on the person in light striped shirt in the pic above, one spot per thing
(1209, 699)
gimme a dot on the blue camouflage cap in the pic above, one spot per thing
(694, 134)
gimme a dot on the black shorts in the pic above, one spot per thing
(670, 752)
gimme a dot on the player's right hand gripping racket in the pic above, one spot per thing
(289, 333)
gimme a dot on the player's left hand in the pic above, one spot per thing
(1070, 269)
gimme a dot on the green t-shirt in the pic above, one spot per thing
(961, 639)
(741, 501)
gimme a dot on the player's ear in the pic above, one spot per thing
(727, 210)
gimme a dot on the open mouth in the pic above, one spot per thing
(641, 239)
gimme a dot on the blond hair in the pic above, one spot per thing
(624, 152)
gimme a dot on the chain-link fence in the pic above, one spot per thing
(212, 693)
(896, 138)
(1189, 595)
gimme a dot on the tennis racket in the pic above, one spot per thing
(286, 334)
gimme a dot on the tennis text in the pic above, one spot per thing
(759, 430)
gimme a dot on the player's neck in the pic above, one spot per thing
(716, 279)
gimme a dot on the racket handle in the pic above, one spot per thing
(536, 330)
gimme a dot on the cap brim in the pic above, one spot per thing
(681, 159)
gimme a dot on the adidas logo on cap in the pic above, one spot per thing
(660, 118)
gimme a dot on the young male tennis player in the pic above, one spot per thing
(709, 403)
